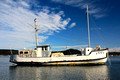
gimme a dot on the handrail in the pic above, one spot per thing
(69, 46)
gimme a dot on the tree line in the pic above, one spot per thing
(65, 52)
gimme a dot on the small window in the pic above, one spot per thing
(21, 52)
(25, 52)
(88, 49)
(42, 48)
(45, 48)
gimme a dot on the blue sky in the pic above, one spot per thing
(60, 23)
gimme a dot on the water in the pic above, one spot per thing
(8, 71)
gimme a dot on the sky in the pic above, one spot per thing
(60, 23)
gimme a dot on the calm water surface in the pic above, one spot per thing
(9, 71)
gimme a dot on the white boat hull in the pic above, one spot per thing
(93, 58)
(80, 62)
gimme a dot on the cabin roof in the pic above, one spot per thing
(43, 46)
(26, 50)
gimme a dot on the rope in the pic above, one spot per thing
(66, 38)
(109, 59)
(97, 27)
(11, 51)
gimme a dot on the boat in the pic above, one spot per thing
(42, 55)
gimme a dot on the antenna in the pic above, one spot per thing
(36, 31)
(88, 28)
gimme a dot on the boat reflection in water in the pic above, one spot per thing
(59, 72)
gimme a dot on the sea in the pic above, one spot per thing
(109, 71)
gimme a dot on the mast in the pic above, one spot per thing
(88, 27)
(36, 32)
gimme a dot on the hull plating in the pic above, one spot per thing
(73, 60)
(80, 62)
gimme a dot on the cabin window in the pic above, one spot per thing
(45, 48)
(21, 52)
(42, 48)
(88, 49)
(25, 52)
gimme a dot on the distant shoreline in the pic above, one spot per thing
(7, 52)
(114, 53)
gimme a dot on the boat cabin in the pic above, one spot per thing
(40, 51)
(43, 51)
(27, 53)
(86, 51)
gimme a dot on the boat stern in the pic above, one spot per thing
(13, 58)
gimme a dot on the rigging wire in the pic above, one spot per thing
(109, 59)
(97, 29)
(69, 39)
(33, 38)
